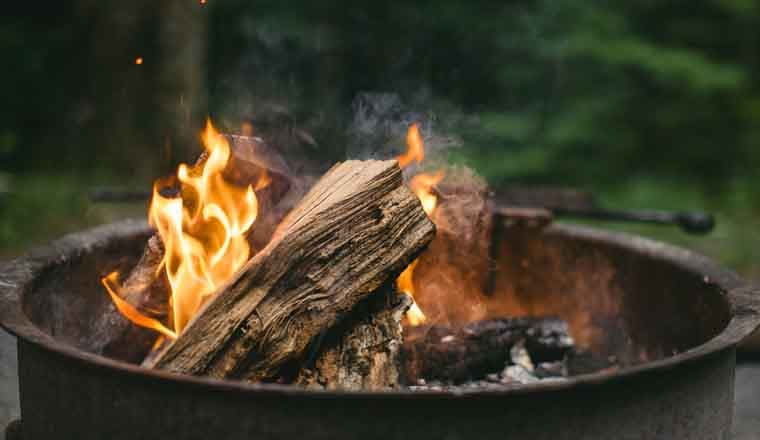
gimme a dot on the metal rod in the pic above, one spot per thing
(692, 222)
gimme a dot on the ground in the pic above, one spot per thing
(747, 417)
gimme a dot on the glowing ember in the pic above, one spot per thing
(203, 232)
(422, 185)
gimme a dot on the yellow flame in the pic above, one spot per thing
(422, 185)
(203, 231)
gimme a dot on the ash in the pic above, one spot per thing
(518, 371)
(544, 353)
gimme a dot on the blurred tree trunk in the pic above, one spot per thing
(182, 87)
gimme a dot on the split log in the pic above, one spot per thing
(355, 230)
(362, 352)
(482, 347)
(146, 290)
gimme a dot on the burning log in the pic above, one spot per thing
(148, 293)
(146, 290)
(356, 229)
(362, 353)
(481, 347)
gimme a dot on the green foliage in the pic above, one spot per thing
(650, 104)
(39, 208)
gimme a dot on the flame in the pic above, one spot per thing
(203, 232)
(422, 185)
(415, 151)
(139, 60)
(129, 311)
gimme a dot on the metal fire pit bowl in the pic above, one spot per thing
(672, 317)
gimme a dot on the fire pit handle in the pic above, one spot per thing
(692, 222)
(695, 222)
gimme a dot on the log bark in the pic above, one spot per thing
(482, 347)
(362, 352)
(355, 230)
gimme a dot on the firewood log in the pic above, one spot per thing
(356, 229)
(361, 352)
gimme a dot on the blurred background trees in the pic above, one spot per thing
(651, 104)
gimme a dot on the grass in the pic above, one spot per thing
(40, 207)
(735, 242)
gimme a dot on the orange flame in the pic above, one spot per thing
(203, 232)
(129, 311)
(415, 151)
(422, 185)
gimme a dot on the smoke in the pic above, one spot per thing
(380, 121)
(450, 275)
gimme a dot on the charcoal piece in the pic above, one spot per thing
(548, 340)
(550, 369)
(480, 348)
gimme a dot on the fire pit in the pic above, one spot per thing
(672, 319)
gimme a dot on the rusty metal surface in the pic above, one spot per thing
(66, 400)
(747, 401)
(69, 392)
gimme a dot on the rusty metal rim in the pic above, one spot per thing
(16, 275)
